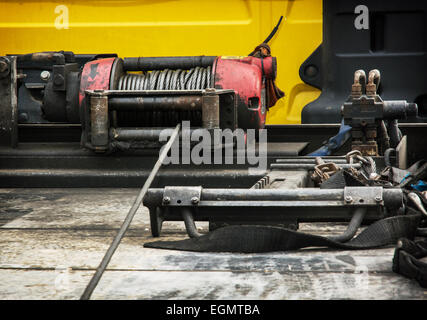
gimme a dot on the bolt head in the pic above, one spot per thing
(195, 200)
(348, 199)
(166, 200)
(378, 199)
(58, 80)
(45, 75)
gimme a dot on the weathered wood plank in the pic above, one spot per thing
(68, 284)
(49, 234)
(77, 209)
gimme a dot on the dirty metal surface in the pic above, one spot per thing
(52, 240)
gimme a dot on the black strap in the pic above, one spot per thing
(258, 238)
(406, 260)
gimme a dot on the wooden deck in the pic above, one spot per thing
(52, 240)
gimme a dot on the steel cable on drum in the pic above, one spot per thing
(194, 79)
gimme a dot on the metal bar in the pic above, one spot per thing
(185, 102)
(276, 203)
(306, 166)
(311, 161)
(150, 134)
(391, 197)
(155, 196)
(160, 63)
(8, 102)
(210, 109)
(99, 121)
(126, 223)
(321, 211)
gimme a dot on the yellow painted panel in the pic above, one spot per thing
(173, 28)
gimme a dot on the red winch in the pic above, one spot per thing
(121, 103)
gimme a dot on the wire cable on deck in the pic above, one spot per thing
(126, 223)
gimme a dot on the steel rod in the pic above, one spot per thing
(150, 134)
(184, 102)
(310, 161)
(126, 223)
(392, 196)
(308, 166)
(160, 63)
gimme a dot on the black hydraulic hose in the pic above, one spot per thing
(354, 224)
(271, 35)
(385, 136)
(273, 32)
(395, 134)
(190, 226)
(387, 159)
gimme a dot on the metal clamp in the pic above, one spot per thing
(363, 196)
(181, 196)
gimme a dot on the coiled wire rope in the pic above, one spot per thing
(194, 79)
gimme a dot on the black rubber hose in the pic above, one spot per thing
(351, 230)
(271, 35)
(385, 136)
(190, 226)
(395, 134)
(387, 159)
(273, 32)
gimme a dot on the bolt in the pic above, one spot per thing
(166, 200)
(58, 80)
(348, 199)
(194, 200)
(45, 75)
(378, 199)
(23, 117)
(311, 71)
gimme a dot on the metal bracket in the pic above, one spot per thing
(8, 102)
(181, 196)
(363, 196)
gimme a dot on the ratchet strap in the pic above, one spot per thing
(259, 238)
(406, 260)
